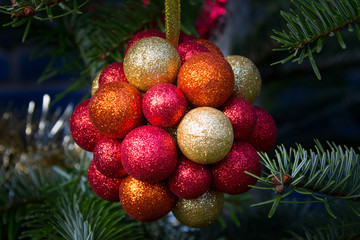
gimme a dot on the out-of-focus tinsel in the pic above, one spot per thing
(40, 138)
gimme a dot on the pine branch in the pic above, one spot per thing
(24, 12)
(320, 226)
(324, 175)
(310, 23)
(85, 55)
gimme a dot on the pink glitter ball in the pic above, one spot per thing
(107, 158)
(112, 73)
(143, 34)
(164, 105)
(105, 187)
(148, 153)
(189, 48)
(189, 180)
(242, 116)
(263, 137)
(229, 174)
(82, 130)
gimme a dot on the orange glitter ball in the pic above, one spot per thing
(115, 109)
(145, 201)
(206, 79)
(212, 47)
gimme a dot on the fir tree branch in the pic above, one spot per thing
(22, 12)
(310, 23)
(325, 175)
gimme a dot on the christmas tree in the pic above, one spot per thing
(309, 182)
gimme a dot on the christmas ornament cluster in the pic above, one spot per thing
(173, 129)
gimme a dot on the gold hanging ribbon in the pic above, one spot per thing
(172, 21)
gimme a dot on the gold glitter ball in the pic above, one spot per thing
(95, 84)
(247, 78)
(205, 135)
(201, 211)
(150, 61)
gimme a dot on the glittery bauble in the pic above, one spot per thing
(95, 84)
(150, 61)
(263, 137)
(201, 211)
(242, 116)
(190, 48)
(82, 130)
(145, 201)
(105, 187)
(112, 73)
(143, 34)
(205, 135)
(149, 154)
(115, 109)
(206, 79)
(164, 105)
(107, 158)
(209, 45)
(247, 78)
(229, 174)
(189, 179)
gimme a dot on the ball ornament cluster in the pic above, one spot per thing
(173, 129)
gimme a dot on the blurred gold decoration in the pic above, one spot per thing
(35, 141)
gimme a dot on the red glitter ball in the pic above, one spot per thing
(149, 153)
(189, 48)
(212, 47)
(164, 105)
(229, 174)
(145, 201)
(107, 158)
(189, 180)
(263, 137)
(105, 187)
(115, 109)
(242, 116)
(112, 72)
(82, 130)
(143, 34)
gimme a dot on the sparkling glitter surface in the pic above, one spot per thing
(107, 158)
(209, 45)
(189, 179)
(242, 116)
(145, 201)
(247, 78)
(164, 105)
(143, 34)
(115, 109)
(229, 174)
(190, 48)
(112, 73)
(150, 61)
(199, 212)
(206, 79)
(263, 137)
(205, 135)
(82, 130)
(149, 154)
(95, 84)
(172, 21)
(104, 187)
